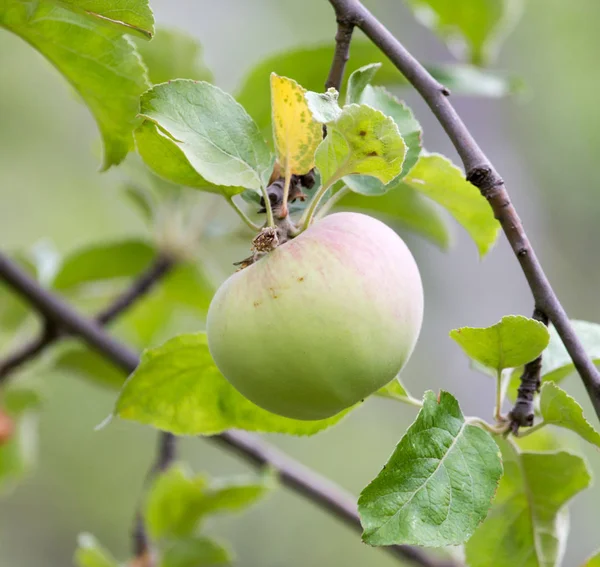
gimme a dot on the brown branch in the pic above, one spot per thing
(481, 173)
(343, 37)
(161, 266)
(295, 475)
(523, 412)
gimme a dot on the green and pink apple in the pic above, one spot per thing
(322, 322)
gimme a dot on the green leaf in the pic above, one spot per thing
(593, 561)
(196, 552)
(438, 179)
(213, 131)
(437, 486)
(396, 390)
(177, 501)
(174, 503)
(173, 54)
(103, 262)
(512, 342)
(18, 400)
(133, 15)
(361, 141)
(178, 388)
(91, 554)
(166, 159)
(101, 64)
(409, 128)
(402, 206)
(528, 524)
(359, 80)
(142, 200)
(324, 106)
(309, 66)
(475, 27)
(558, 408)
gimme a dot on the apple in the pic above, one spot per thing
(321, 322)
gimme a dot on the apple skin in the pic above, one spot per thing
(322, 322)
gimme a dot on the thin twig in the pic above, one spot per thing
(343, 37)
(161, 266)
(297, 477)
(481, 173)
(522, 412)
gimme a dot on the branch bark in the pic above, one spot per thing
(481, 173)
(294, 475)
(161, 266)
(343, 38)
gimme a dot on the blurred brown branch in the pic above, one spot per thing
(481, 173)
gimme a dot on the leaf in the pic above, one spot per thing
(103, 262)
(174, 504)
(178, 388)
(213, 131)
(528, 524)
(409, 129)
(474, 27)
(513, 341)
(165, 158)
(295, 133)
(593, 561)
(438, 179)
(18, 400)
(394, 390)
(177, 501)
(142, 201)
(309, 66)
(402, 206)
(361, 140)
(437, 486)
(101, 64)
(558, 408)
(195, 552)
(91, 554)
(173, 54)
(133, 15)
(359, 80)
(324, 107)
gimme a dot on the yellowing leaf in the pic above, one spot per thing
(295, 133)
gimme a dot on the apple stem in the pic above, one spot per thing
(333, 200)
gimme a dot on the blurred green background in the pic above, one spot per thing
(543, 143)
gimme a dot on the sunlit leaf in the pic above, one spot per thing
(474, 27)
(91, 554)
(513, 341)
(178, 388)
(361, 141)
(133, 15)
(396, 390)
(166, 159)
(409, 129)
(195, 552)
(528, 523)
(324, 107)
(213, 131)
(437, 486)
(438, 179)
(403, 207)
(173, 54)
(593, 561)
(295, 133)
(558, 408)
(99, 62)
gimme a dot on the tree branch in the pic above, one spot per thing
(481, 173)
(343, 37)
(161, 266)
(294, 475)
